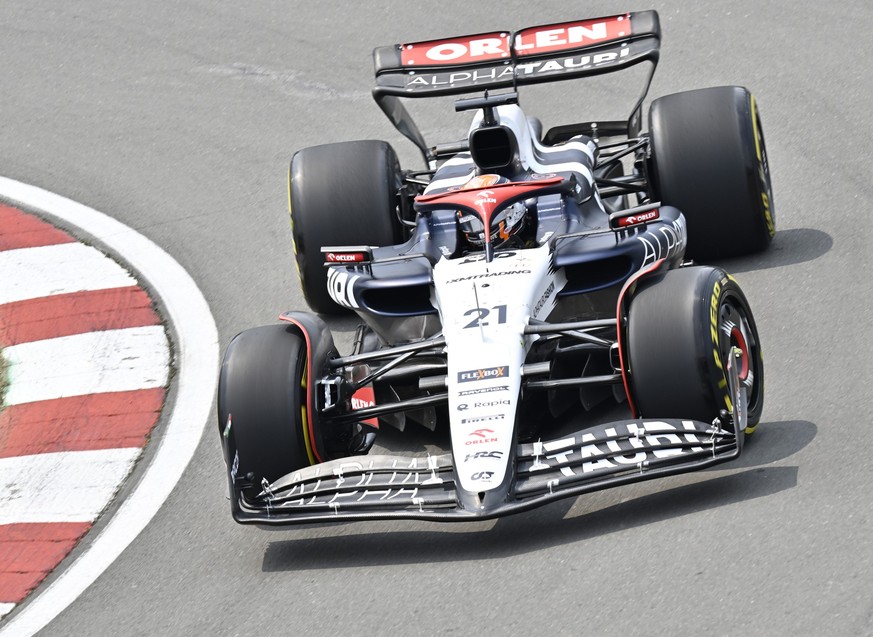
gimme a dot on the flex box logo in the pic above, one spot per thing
(485, 373)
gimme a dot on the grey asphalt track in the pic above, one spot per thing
(179, 118)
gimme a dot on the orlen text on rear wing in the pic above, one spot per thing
(500, 59)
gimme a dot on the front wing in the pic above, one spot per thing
(425, 487)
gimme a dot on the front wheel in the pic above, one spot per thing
(261, 390)
(681, 329)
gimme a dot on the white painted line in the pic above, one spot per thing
(30, 273)
(196, 359)
(5, 608)
(70, 486)
(90, 363)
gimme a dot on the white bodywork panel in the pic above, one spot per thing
(484, 309)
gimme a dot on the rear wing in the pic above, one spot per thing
(503, 59)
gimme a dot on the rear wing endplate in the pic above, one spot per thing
(503, 59)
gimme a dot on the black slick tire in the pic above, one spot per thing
(709, 160)
(340, 194)
(260, 387)
(681, 329)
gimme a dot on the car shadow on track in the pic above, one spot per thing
(565, 522)
(789, 247)
(772, 442)
(543, 528)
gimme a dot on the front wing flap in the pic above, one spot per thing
(425, 487)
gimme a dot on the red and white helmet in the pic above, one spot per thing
(503, 225)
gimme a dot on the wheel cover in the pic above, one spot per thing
(735, 332)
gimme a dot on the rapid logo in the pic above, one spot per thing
(492, 403)
(482, 374)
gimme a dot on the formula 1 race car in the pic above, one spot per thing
(505, 291)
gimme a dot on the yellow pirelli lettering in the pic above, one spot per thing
(713, 322)
(293, 242)
(307, 443)
(291, 210)
(765, 200)
(713, 332)
(755, 126)
(768, 216)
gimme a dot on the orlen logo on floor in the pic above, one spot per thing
(534, 41)
(482, 374)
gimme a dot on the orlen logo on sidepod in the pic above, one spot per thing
(342, 257)
(482, 374)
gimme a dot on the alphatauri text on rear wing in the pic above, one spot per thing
(504, 59)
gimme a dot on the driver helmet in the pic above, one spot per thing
(505, 223)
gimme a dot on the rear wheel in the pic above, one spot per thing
(341, 194)
(681, 330)
(709, 161)
(261, 389)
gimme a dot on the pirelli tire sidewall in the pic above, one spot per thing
(708, 159)
(678, 342)
(261, 389)
(341, 194)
